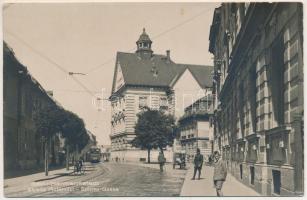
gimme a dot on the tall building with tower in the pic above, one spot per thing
(144, 79)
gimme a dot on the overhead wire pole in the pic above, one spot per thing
(103, 64)
(64, 71)
(154, 37)
(53, 63)
(180, 24)
(37, 52)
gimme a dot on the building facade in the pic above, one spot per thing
(22, 97)
(258, 85)
(144, 79)
(196, 130)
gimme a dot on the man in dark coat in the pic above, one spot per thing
(220, 173)
(161, 160)
(198, 163)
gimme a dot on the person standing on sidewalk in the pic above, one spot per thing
(198, 163)
(220, 173)
(161, 160)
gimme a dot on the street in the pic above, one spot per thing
(105, 179)
(117, 92)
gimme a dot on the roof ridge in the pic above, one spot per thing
(136, 54)
(137, 72)
(195, 65)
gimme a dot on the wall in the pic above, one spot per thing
(203, 128)
(123, 131)
(261, 97)
(23, 96)
(186, 94)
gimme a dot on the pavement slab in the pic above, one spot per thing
(205, 187)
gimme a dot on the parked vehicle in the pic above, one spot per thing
(179, 159)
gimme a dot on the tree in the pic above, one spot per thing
(154, 129)
(48, 123)
(73, 130)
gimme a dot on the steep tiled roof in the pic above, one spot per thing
(140, 72)
(201, 73)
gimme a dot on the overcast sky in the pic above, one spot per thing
(82, 37)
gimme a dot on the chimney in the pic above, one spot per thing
(168, 57)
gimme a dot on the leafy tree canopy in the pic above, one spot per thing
(51, 119)
(48, 120)
(154, 129)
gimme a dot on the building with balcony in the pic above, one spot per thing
(144, 79)
(196, 130)
(258, 85)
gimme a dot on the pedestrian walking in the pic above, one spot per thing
(220, 173)
(198, 163)
(161, 160)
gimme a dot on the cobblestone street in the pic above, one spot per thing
(105, 179)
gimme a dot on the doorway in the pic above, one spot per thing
(252, 175)
(241, 171)
(276, 181)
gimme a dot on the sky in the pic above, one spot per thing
(52, 39)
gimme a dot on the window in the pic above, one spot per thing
(262, 95)
(143, 102)
(276, 74)
(291, 72)
(163, 103)
(204, 144)
(23, 102)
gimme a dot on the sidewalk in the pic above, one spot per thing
(22, 183)
(204, 186)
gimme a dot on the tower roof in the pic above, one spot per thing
(144, 37)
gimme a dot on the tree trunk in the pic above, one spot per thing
(161, 149)
(67, 157)
(77, 150)
(53, 158)
(76, 153)
(46, 156)
(148, 155)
